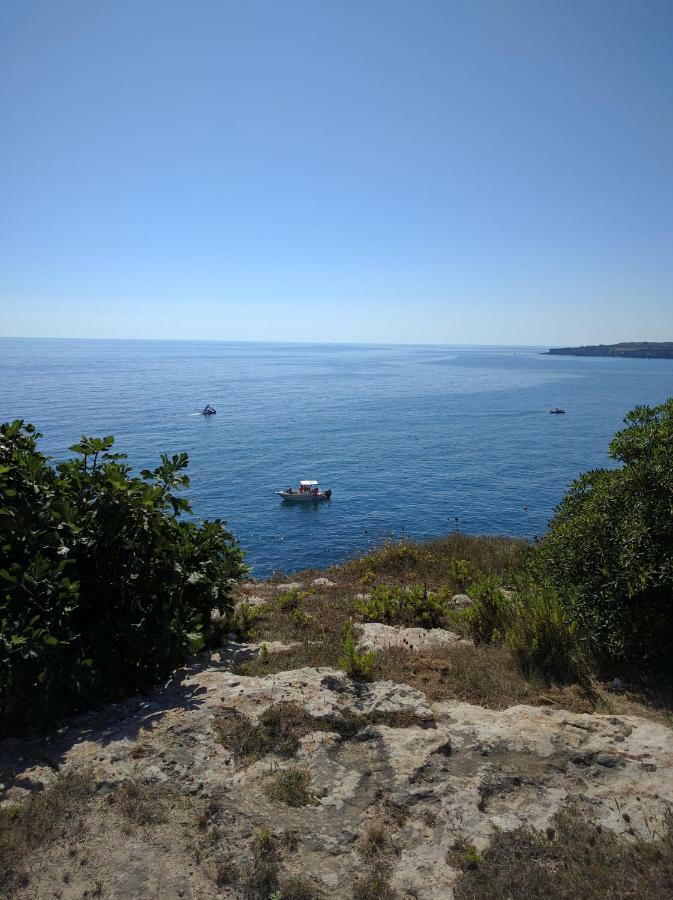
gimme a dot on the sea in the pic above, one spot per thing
(414, 441)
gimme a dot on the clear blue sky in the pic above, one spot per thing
(451, 172)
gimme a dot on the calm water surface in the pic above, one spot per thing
(414, 440)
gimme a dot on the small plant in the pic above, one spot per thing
(301, 619)
(138, 803)
(245, 619)
(262, 875)
(290, 600)
(544, 636)
(462, 572)
(463, 854)
(414, 606)
(292, 787)
(356, 663)
(375, 838)
(490, 614)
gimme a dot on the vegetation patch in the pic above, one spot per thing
(278, 730)
(357, 664)
(281, 727)
(104, 589)
(138, 803)
(374, 884)
(413, 606)
(292, 787)
(574, 858)
(27, 828)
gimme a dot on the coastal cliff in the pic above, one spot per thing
(271, 768)
(626, 350)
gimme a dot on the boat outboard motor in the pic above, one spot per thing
(328, 494)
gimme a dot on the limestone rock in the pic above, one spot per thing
(461, 601)
(251, 601)
(323, 582)
(448, 769)
(376, 636)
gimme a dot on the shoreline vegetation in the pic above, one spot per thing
(624, 350)
(366, 669)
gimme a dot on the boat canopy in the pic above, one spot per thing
(308, 483)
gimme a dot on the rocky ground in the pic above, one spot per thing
(244, 778)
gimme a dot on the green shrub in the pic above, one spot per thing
(354, 662)
(611, 539)
(244, 620)
(544, 635)
(103, 589)
(301, 619)
(411, 606)
(490, 614)
(290, 599)
(462, 571)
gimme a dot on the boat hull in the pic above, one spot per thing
(296, 497)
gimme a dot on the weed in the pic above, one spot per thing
(290, 600)
(490, 614)
(413, 606)
(462, 572)
(261, 877)
(357, 664)
(544, 637)
(572, 858)
(374, 885)
(278, 730)
(138, 803)
(37, 822)
(463, 854)
(244, 620)
(375, 838)
(301, 619)
(292, 787)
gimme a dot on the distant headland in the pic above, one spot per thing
(633, 349)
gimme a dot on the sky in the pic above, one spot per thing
(492, 172)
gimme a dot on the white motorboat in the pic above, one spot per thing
(307, 492)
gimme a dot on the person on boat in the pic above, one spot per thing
(315, 491)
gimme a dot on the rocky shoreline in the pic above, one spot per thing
(305, 782)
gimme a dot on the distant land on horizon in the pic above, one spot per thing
(634, 349)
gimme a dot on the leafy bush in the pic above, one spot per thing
(290, 599)
(103, 589)
(544, 635)
(412, 606)
(490, 614)
(244, 620)
(355, 663)
(301, 619)
(612, 539)
(462, 571)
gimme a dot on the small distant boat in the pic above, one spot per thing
(557, 412)
(208, 410)
(307, 492)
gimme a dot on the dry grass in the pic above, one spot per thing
(486, 675)
(46, 817)
(278, 730)
(292, 787)
(281, 727)
(138, 803)
(575, 858)
(398, 562)
(375, 838)
(374, 884)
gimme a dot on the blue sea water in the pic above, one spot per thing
(412, 440)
